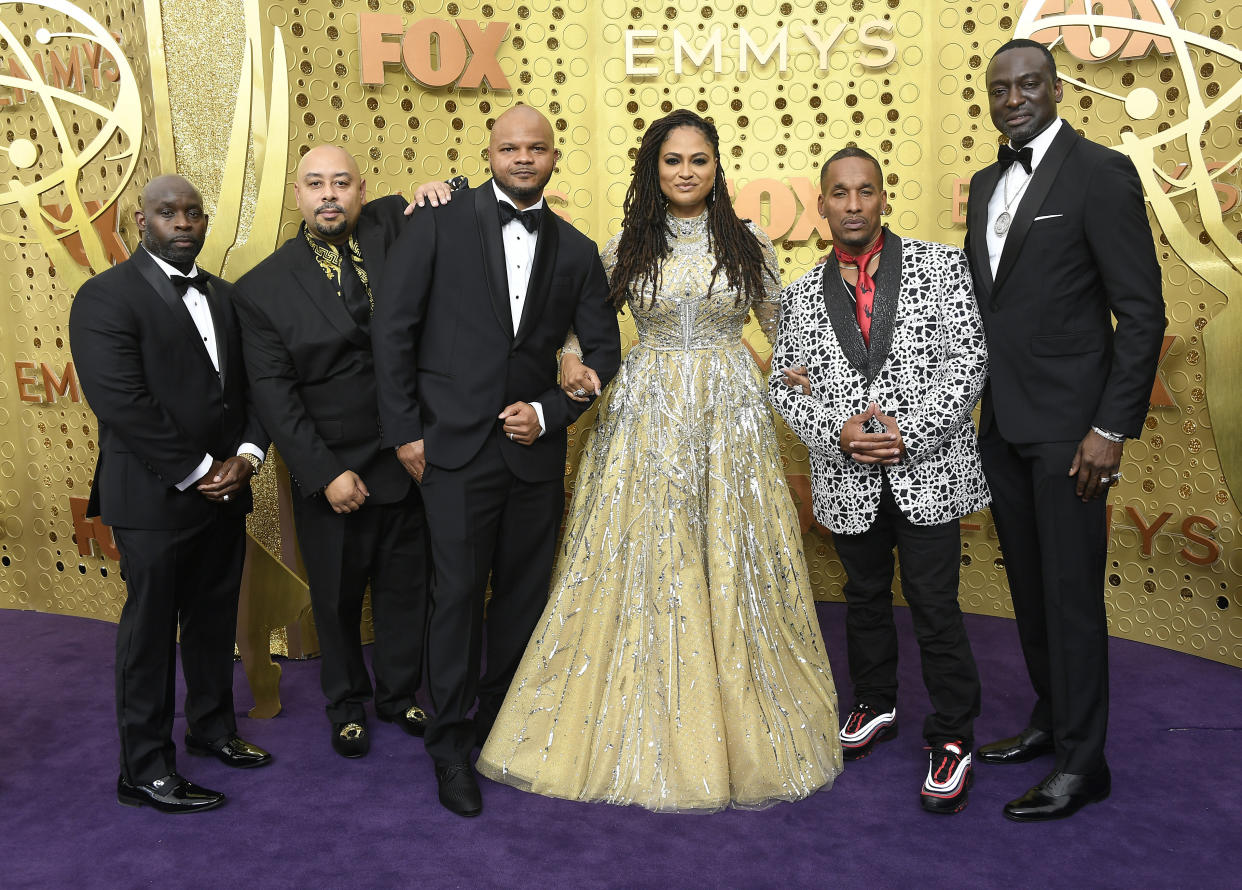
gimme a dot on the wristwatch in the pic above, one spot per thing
(255, 463)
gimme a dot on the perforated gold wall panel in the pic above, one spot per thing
(898, 77)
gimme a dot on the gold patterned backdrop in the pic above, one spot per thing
(230, 94)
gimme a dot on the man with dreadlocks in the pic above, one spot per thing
(888, 339)
(679, 663)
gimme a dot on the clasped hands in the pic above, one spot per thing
(224, 478)
(886, 448)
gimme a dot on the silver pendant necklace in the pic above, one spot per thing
(1005, 220)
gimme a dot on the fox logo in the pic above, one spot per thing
(1097, 30)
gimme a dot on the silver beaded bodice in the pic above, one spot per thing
(685, 315)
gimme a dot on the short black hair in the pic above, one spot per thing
(853, 151)
(1025, 43)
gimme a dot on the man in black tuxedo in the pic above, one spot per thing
(1059, 246)
(157, 348)
(306, 328)
(477, 299)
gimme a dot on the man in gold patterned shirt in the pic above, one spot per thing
(306, 317)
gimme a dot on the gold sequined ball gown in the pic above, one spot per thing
(679, 663)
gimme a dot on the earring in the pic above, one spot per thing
(711, 199)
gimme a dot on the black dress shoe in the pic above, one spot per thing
(351, 739)
(235, 751)
(171, 794)
(1059, 796)
(459, 791)
(413, 720)
(1026, 745)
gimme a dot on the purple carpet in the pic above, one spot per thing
(313, 819)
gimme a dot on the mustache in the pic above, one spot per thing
(331, 205)
(173, 239)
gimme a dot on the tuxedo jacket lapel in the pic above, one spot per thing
(884, 306)
(1032, 201)
(163, 286)
(841, 313)
(493, 247)
(540, 273)
(222, 319)
(371, 242)
(986, 185)
(883, 309)
(323, 294)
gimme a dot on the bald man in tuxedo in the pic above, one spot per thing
(1069, 290)
(157, 348)
(306, 327)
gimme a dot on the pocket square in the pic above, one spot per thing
(1048, 216)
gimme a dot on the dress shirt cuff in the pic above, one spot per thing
(543, 427)
(198, 473)
(251, 448)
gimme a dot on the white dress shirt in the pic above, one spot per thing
(196, 302)
(519, 257)
(1013, 185)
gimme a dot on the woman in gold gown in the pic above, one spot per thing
(679, 663)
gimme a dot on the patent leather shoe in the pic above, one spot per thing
(171, 794)
(351, 739)
(1059, 796)
(413, 720)
(1026, 745)
(235, 752)
(459, 790)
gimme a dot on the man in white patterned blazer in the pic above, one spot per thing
(879, 361)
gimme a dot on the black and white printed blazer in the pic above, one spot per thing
(926, 367)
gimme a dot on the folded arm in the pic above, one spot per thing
(595, 326)
(810, 419)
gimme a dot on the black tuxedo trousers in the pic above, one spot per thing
(486, 521)
(383, 545)
(176, 579)
(1055, 548)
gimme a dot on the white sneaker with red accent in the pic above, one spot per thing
(949, 777)
(863, 728)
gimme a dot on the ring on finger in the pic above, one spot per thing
(226, 497)
(579, 392)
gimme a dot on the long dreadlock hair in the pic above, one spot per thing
(644, 230)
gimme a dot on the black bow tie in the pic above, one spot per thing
(1008, 155)
(528, 218)
(184, 282)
